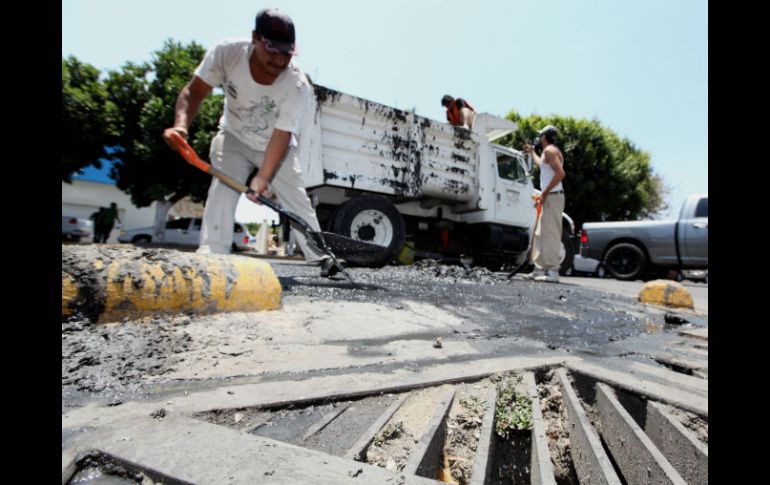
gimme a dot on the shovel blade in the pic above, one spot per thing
(346, 247)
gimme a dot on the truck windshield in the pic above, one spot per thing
(510, 168)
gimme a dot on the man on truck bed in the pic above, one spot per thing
(265, 94)
(545, 250)
(458, 112)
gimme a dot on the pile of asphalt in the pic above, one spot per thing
(112, 360)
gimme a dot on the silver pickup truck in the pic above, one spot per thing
(630, 250)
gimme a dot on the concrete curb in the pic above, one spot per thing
(426, 457)
(358, 450)
(666, 293)
(541, 468)
(486, 444)
(109, 283)
(592, 465)
(677, 396)
(638, 458)
(685, 453)
(193, 451)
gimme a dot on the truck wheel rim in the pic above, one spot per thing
(625, 262)
(562, 253)
(372, 226)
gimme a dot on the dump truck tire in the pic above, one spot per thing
(374, 220)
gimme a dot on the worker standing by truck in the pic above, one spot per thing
(265, 95)
(545, 250)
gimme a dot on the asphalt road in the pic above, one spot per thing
(393, 317)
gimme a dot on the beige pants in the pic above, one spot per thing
(545, 249)
(237, 160)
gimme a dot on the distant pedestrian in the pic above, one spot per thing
(96, 217)
(107, 222)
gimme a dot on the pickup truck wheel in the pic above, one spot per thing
(374, 220)
(600, 273)
(566, 256)
(140, 240)
(625, 261)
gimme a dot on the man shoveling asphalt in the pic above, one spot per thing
(265, 95)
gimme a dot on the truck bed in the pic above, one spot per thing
(376, 148)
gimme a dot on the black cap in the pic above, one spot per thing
(548, 130)
(277, 29)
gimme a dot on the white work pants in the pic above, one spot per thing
(237, 160)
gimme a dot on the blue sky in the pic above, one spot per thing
(639, 67)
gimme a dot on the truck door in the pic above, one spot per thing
(696, 235)
(513, 198)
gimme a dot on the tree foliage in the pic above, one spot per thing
(87, 117)
(146, 95)
(608, 177)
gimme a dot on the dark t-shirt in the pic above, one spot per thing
(108, 216)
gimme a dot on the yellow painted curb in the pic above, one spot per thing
(69, 293)
(666, 293)
(114, 282)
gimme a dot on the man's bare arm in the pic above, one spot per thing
(187, 104)
(274, 154)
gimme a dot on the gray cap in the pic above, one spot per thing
(549, 130)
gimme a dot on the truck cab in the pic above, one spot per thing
(693, 231)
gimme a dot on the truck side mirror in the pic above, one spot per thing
(529, 164)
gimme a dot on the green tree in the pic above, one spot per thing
(145, 95)
(608, 178)
(87, 117)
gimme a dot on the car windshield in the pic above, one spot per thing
(182, 223)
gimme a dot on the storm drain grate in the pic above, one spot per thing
(553, 427)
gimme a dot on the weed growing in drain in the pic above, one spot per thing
(513, 412)
(473, 403)
(390, 431)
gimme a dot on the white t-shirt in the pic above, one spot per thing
(547, 172)
(253, 110)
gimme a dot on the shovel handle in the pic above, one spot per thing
(193, 159)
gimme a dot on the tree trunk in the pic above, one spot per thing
(161, 213)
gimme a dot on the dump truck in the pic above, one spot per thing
(629, 250)
(397, 179)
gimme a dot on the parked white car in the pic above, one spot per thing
(76, 228)
(185, 232)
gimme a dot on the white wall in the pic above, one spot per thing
(82, 198)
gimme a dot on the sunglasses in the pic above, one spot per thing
(269, 47)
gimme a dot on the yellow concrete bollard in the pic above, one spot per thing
(666, 293)
(110, 282)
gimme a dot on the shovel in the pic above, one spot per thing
(538, 210)
(323, 242)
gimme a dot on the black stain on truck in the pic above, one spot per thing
(329, 175)
(404, 152)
